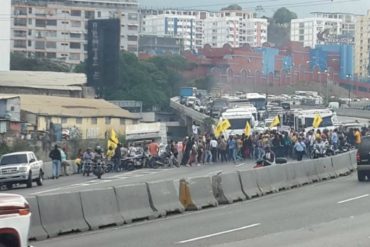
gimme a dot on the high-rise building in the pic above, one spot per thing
(315, 30)
(5, 35)
(362, 46)
(58, 29)
(196, 28)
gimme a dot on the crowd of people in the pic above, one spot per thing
(259, 146)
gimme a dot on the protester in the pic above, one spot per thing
(56, 159)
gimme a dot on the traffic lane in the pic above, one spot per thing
(349, 231)
(78, 182)
(303, 207)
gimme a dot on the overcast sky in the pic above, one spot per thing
(302, 7)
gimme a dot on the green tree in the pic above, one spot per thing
(80, 68)
(18, 61)
(232, 7)
(283, 16)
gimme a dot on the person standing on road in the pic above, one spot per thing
(213, 145)
(56, 159)
(231, 144)
(117, 158)
(299, 148)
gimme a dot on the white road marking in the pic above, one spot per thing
(218, 233)
(352, 199)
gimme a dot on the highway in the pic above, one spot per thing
(78, 182)
(331, 213)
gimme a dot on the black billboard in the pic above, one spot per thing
(103, 54)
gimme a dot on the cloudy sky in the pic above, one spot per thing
(302, 7)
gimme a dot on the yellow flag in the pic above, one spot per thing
(225, 125)
(112, 139)
(316, 121)
(247, 130)
(218, 130)
(275, 121)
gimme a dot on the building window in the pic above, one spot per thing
(107, 120)
(51, 22)
(75, 35)
(20, 22)
(20, 33)
(122, 121)
(89, 14)
(64, 120)
(51, 55)
(75, 45)
(51, 45)
(20, 11)
(75, 12)
(40, 23)
(40, 54)
(12, 108)
(20, 44)
(39, 44)
(74, 56)
(29, 10)
(75, 24)
(94, 120)
(29, 43)
(131, 38)
(99, 14)
(79, 120)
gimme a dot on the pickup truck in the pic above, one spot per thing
(20, 168)
(15, 218)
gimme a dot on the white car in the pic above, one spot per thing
(15, 218)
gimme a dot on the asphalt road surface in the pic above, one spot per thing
(330, 213)
(78, 182)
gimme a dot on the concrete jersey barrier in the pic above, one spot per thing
(227, 188)
(342, 163)
(353, 164)
(37, 231)
(62, 213)
(197, 193)
(264, 180)
(164, 198)
(249, 184)
(100, 208)
(133, 202)
(278, 177)
(290, 171)
(310, 171)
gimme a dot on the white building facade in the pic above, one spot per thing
(313, 31)
(58, 29)
(362, 46)
(197, 28)
(5, 11)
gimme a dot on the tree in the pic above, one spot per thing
(232, 7)
(19, 61)
(283, 16)
(80, 68)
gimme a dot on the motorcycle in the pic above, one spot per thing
(98, 168)
(318, 153)
(87, 167)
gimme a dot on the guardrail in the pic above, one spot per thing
(92, 209)
(184, 110)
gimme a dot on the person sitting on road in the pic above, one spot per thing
(319, 146)
(269, 157)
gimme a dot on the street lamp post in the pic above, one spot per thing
(349, 76)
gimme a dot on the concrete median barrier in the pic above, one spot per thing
(290, 172)
(249, 184)
(342, 163)
(37, 231)
(100, 208)
(264, 180)
(196, 193)
(62, 213)
(278, 177)
(353, 164)
(133, 202)
(301, 173)
(324, 168)
(164, 197)
(48, 170)
(227, 188)
(310, 171)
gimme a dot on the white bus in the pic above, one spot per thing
(238, 118)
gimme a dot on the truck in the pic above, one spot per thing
(238, 118)
(21, 168)
(186, 92)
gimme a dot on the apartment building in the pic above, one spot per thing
(362, 46)
(58, 29)
(197, 28)
(315, 30)
(348, 23)
(5, 35)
